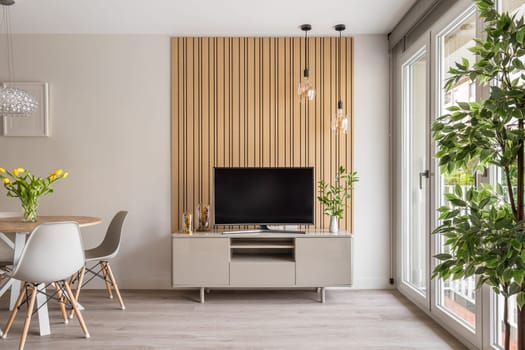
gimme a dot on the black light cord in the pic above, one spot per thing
(306, 53)
(306, 28)
(306, 49)
(339, 68)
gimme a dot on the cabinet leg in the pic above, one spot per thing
(202, 295)
(323, 295)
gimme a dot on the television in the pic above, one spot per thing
(264, 196)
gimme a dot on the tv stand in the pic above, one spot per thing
(315, 259)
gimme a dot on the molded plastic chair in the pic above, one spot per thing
(52, 253)
(108, 249)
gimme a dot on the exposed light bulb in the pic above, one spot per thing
(340, 121)
(306, 90)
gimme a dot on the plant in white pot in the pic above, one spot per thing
(334, 196)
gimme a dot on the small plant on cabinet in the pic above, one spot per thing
(334, 196)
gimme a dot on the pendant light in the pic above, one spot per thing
(13, 101)
(306, 89)
(340, 121)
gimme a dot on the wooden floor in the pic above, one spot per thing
(240, 320)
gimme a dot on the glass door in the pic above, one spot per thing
(455, 301)
(421, 71)
(415, 230)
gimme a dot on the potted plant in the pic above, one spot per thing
(483, 228)
(334, 196)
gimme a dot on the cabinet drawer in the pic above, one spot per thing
(247, 273)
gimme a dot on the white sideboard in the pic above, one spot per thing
(317, 259)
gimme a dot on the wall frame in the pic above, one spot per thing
(37, 123)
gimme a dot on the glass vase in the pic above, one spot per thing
(202, 216)
(30, 207)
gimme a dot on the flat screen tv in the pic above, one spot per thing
(264, 196)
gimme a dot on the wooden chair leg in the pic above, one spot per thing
(61, 302)
(79, 286)
(73, 279)
(15, 310)
(106, 278)
(80, 281)
(28, 318)
(114, 282)
(75, 309)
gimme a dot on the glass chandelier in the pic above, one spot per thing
(13, 101)
(306, 90)
(339, 122)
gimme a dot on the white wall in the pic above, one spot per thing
(110, 128)
(371, 201)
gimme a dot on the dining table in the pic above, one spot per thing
(21, 230)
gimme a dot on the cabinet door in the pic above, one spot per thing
(200, 262)
(323, 261)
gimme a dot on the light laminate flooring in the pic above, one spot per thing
(350, 319)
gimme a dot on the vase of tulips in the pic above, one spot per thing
(23, 185)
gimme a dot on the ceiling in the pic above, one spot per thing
(206, 17)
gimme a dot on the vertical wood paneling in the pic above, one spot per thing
(234, 103)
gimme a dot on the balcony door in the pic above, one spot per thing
(456, 302)
(415, 170)
(420, 73)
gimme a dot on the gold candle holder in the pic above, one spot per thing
(187, 223)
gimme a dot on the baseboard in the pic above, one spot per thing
(372, 283)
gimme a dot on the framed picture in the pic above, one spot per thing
(36, 123)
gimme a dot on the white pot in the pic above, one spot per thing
(333, 224)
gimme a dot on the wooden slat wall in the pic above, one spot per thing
(234, 103)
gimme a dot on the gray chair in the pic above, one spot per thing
(51, 255)
(107, 250)
(6, 248)
(6, 242)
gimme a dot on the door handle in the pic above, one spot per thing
(426, 174)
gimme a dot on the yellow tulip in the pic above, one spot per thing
(58, 172)
(65, 175)
(18, 171)
(2, 170)
(52, 177)
(6, 180)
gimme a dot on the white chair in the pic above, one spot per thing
(52, 253)
(108, 249)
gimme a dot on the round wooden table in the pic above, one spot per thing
(22, 230)
(16, 225)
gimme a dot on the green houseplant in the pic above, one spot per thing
(21, 184)
(334, 196)
(483, 228)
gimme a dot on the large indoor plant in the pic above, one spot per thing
(21, 184)
(482, 227)
(334, 196)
